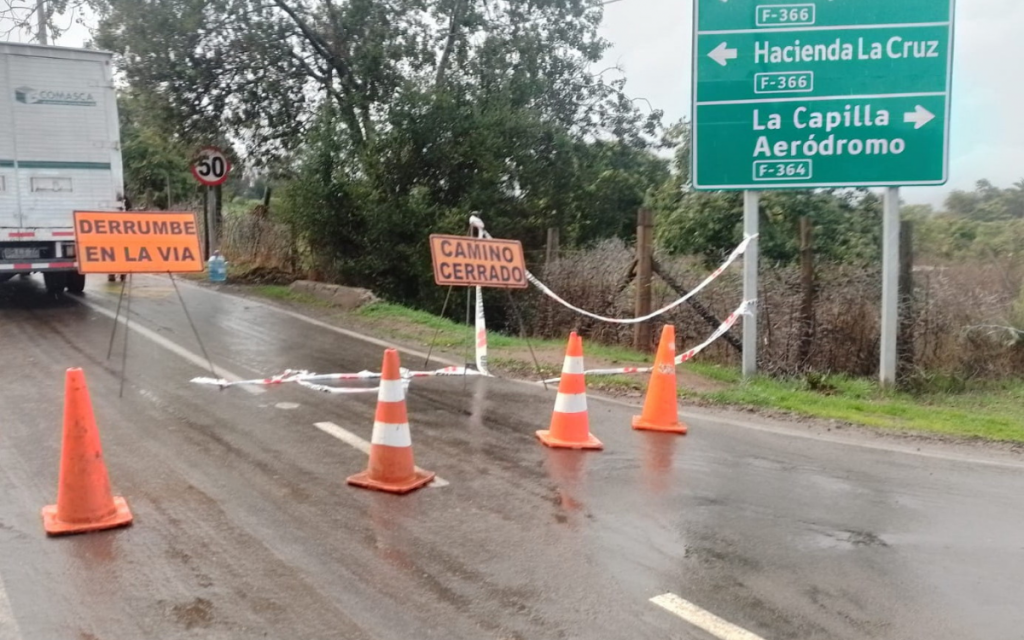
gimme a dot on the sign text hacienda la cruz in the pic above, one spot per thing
(832, 93)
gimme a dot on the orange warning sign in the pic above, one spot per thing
(137, 242)
(471, 262)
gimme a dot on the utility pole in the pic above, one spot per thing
(41, 23)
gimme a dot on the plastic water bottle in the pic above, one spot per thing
(217, 267)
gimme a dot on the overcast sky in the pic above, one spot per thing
(652, 39)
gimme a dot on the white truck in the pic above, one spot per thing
(60, 151)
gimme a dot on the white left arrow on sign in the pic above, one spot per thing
(919, 117)
(722, 54)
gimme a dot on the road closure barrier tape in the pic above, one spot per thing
(736, 253)
(314, 380)
(727, 324)
(481, 334)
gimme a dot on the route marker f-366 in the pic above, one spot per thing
(827, 93)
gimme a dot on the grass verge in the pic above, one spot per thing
(989, 411)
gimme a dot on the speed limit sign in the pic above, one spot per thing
(211, 167)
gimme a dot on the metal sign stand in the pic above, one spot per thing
(890, 286)
(751, 219)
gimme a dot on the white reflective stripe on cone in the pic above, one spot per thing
(571, 403)
(573, 364)
(391, 391)
(392, 435)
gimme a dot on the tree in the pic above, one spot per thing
(261, 69)
(57, 16)
(988, 203)
(917, 212)
(388, 120)
(154, 161)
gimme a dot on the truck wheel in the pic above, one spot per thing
(76, 282)
(55, 282)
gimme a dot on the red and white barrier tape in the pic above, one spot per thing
(727, 324)
(481, 334)
(736, 253)
(311, 380)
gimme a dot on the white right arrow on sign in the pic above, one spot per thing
(722, 54)
(919, 117)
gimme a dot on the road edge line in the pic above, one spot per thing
(173, 347)
(702, 618)
(326, 325)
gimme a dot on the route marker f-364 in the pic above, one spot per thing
(827, 93)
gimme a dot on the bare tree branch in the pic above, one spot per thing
(449, 44)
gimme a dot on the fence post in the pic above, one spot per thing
(551, 252)
(905, 341)
(807, 290)
(644, 256)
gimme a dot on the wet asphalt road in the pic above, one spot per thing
(244, 527)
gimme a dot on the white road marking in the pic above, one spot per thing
(174, 348)
(8, 625)
(325, 325)
(705, 620)
(356, 442)
(287, 406)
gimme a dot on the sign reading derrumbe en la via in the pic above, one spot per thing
(137, 242)
(826, 93)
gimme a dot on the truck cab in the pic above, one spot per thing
(60, 152)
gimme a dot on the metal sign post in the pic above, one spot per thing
(211, 168)
(890, 286)
(751, 258)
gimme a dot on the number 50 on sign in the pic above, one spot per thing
(211, 166)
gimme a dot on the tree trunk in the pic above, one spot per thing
(807, 290)
(644, 258)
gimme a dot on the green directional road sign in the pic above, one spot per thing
(826, 93)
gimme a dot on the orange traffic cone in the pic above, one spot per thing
(661, 408)
(391, 465)
(84, 501)
(570, 425)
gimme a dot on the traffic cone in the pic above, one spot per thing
(570, 425)
(391, 465)
(661, 407)
(84, 501)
